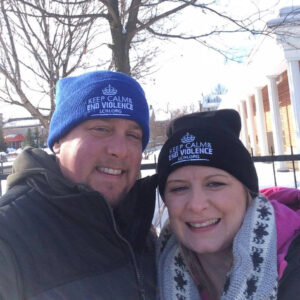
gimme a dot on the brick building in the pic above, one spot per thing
(15, 130)
(269, 103)
(159, 121)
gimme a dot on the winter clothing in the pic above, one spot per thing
(99, 94)
(269, 233)
(207, 139)
(286, 203)
(61, 240)
(264, 247)
(253, 274)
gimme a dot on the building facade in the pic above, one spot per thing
(16, 129)
(270, 103)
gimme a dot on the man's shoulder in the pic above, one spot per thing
(13, 194)
(12, 210)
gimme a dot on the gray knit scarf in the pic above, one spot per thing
(254, 271)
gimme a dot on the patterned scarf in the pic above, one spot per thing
(254, 271)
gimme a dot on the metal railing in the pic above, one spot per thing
(4, 172)
(279, 158)
(264, 159)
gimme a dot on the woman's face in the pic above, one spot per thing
(206, 207)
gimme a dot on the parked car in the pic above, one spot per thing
(3, 157)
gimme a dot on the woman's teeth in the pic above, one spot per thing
(204, 224)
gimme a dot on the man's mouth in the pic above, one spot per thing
(203, 224)
(110, 171)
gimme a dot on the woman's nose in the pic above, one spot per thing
(198, 201)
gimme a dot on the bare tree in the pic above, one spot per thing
(158, 126)
(37, 50)
(219, 89)
(43, 40)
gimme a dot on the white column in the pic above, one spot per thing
(244, 131)
(261, 123)
(251, 125)
(294, 86)
(287, 29)
(275, 116)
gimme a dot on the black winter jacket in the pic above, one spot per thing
(289, 284)
(59, 240)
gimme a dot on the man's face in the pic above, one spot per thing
(104, 154)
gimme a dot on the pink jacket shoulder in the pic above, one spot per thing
(286, 203)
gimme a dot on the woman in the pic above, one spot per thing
(224, 239)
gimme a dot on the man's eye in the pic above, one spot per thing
(101, 129)
(136, 136)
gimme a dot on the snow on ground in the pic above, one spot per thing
(3, 186)
(266, 177)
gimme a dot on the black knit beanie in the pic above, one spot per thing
(207, 139)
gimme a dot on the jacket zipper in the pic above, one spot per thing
(137, 272)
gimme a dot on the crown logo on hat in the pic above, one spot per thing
(188, 138)
(109, 91)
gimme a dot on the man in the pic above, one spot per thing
(76, 225)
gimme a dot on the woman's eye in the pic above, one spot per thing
(215, 184)
(178, 189)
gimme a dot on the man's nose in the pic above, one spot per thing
(117, 146)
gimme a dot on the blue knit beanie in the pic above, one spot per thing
(99, 94)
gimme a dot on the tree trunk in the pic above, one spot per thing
(120, 43)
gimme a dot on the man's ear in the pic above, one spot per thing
(56, 148)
